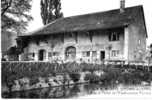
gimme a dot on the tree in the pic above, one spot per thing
(14, 15)
(13, 51)
(151, 49)
(148, 54)
(50, 10)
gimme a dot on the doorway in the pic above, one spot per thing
(102, 55)
(41, 54)
(70, 53)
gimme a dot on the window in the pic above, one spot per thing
(94, 53)
(86, 53)
(115, 53)
(51, 54)
(139, 41)
(69, 35)
(31, 56)
(135, 56)
(70, 53)
(42, 54)
(55, 53)
(114, 36)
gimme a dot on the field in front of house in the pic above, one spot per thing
(19, 76)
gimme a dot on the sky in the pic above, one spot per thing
(78, 7)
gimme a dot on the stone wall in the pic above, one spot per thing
(137, 38)
(81, 42)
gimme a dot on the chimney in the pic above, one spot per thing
(122, 6)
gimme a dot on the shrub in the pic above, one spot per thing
(15, 70)
(125, 78)
(34, 80)
(111, 73)
(87, 77)
(92, 78)
(75, 76)
(147, 76)
(134, 77)
(72, 67)
(90, 67)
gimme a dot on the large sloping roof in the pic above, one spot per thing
(99, 20)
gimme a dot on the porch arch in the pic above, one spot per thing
(70, 53)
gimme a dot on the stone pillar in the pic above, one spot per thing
(36, 56)
(126, 43)
(91, 58)
(98, 55)
(47, 56)
(62, 55)
(78, 55)
(20, 57)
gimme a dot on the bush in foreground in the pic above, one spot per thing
(75, 76)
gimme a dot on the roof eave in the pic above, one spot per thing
(144, 21)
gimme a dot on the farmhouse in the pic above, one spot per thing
(118, 34)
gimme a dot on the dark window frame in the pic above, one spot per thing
(115, 53)
(94, 53)
(114, 36)
(86, 53)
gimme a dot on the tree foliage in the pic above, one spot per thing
(13, 51)
(15, 15)
(50, 10)
(151, 49)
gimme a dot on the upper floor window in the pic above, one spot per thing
(139, 41)
(51, 54)
(114, 36)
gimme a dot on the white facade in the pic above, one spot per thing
(87, 48)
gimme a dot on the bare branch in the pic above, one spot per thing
(8, 4)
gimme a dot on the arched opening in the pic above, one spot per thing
(42, 54)
(70, 53)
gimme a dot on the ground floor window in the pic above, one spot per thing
(51, 54)
(55, 53)
(86, 53)
(31, 56)
(94, 53)
(115, 53)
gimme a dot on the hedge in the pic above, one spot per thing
(16, 70)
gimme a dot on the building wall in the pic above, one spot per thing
(137, 39)
(82, 42)
(100, 42)
(131, 46)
